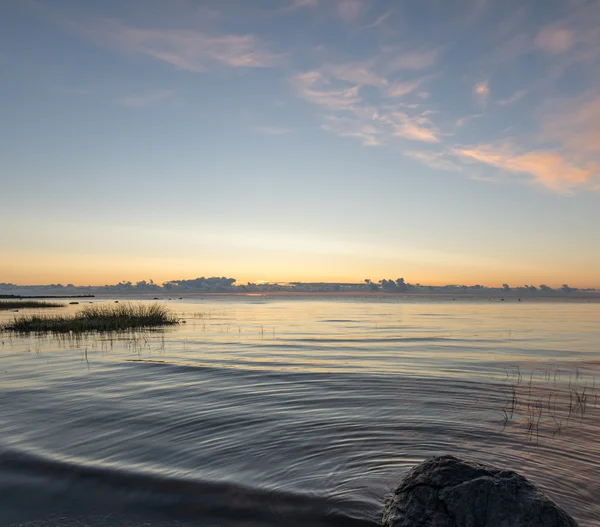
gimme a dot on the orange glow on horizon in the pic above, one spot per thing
(82, 270)
(96, 280)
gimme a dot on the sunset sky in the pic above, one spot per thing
(442, 141)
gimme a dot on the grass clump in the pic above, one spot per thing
(96, 317)
(26, 304)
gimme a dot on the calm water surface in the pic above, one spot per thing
(295, 411)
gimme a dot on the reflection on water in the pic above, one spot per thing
(295, 411)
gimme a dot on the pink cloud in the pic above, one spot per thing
(337, 89)
(415, 132)
(400, 89)
(546, 167)
(349, 10)
(313, 87)
(358, 73)
(417, 128)
(186, 49)
(368, 134)
(374, 127)
(555, 40)
(572, 163)
(576, 125)
(298, 4)
(481, 90)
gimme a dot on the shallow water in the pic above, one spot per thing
(295, 411)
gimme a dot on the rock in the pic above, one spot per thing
(449, 492)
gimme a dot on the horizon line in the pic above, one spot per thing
(347, 283)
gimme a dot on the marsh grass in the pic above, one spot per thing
(552, 397)
(96, 317)
(26, 304)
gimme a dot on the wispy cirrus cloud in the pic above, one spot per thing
(440, 160)
(481, 90)
(345, 10)
(349, 10)
(345, 126)
(187, 49)
(319, 90)
(193, 50)
(462, 121)
(377, 102)
(388, 97)
(187, 42)
(575, 124)
(416, 128)
(337, 90)
(515, 97)
(552, 142)
(564, 156)
(379, 21)
(360, 73)
(555, 40)
(299, 4)
(545, 167)
(400, 89)
(375, 129)
(350, 77)
(367, 100)
(569, 39)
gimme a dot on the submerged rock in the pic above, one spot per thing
(448, 492)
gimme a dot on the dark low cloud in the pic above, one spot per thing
(229, 285)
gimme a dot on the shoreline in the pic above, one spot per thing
(354, 294)
(493, 296)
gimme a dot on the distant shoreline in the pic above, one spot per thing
(29, 297)
(362, 294)
(495, 296)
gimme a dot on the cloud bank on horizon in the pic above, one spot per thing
(129, 103)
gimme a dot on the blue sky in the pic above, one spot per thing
(300, 139)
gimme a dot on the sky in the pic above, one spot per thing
(338, 140)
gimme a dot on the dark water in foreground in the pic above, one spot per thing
(282, 412)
